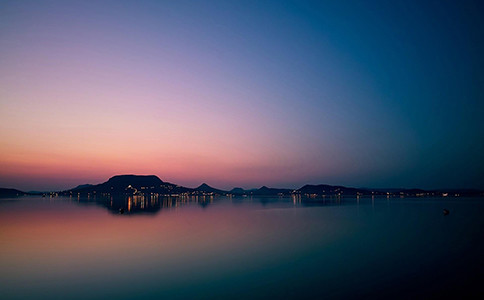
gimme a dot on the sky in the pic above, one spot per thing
(242, 93)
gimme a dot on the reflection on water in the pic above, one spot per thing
(153, 203)
(144, 204)
(240, 248)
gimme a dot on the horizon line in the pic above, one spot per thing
(261, 186)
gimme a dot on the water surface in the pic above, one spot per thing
(70, 248)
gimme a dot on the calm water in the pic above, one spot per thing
(67, 248)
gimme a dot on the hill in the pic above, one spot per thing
(266, 191)
(130, 184)
(6, 193)
(147, 184)
(324, 189)
(205, 188)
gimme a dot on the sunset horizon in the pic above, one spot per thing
(194, 184)
(275, 94)
(241, 149)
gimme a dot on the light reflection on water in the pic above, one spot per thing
(153, 203)
(218, 247)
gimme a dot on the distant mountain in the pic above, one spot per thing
(131, 184)
(208, 189)
(36, 192)
(266, 191)
(134, 180)
(147, 184)
(238, 191)
(7, 193)
(262, 191)
(324, 189)
(82, 186)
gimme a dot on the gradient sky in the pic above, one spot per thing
(242, 93)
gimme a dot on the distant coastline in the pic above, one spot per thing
(151, 184)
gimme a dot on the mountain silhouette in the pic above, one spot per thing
(324, 189)
(4, 193)
(135, 180)
(151, 184)
(238, 191)
(131, 184)
(81, 186)
(208, 189)
(266, 191)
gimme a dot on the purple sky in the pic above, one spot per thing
(245, 93)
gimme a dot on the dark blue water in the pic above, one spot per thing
(69, 248)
